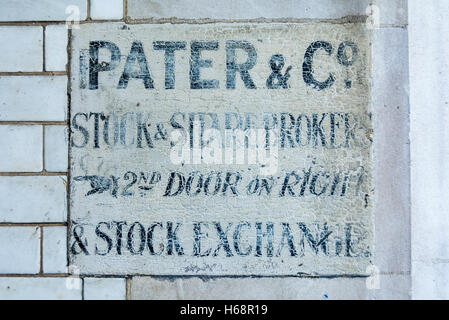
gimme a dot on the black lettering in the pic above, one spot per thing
(307, 70)
(237, 239)
(320, 239)
(300, 130)
(343, 58)
(96, 125)
(196, 63)
(123, 123)
(317, 130)
(129, 176)
(286, 131)
(314, 181)
(269, 234)
(142, 239)
(119, 236)
(232, 67)
(231, 184)
(171, 180)
(95, 67)
(199, 184)
(223, 238)
(172, 240)
(288, 186)
(136, 54)
(287, 235)
(169, 47)
(276, 79)
(217, 183)
(115, 130)
(142, 128)
(78, 231)
(304, 182)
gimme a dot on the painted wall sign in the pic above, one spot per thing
(221, 149)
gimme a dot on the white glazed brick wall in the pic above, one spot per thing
(54, 244)
(33, 113)
(33, 98)
(22, 253)
(106, 9)
(33, 199)
(24, 49)
(34, 147)
(55, 47)
(56, 148)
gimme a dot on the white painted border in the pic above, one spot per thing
(429, 132)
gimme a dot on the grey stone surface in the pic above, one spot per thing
(247, 9)
(388, 287)
(392, 12)
(391, 287)
(247, 288)
(21, 255)
(25, 98)
(24, 49)
(389, 11)
(104, 288)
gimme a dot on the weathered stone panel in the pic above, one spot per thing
(225, 149)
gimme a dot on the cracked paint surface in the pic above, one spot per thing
(142, 203)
